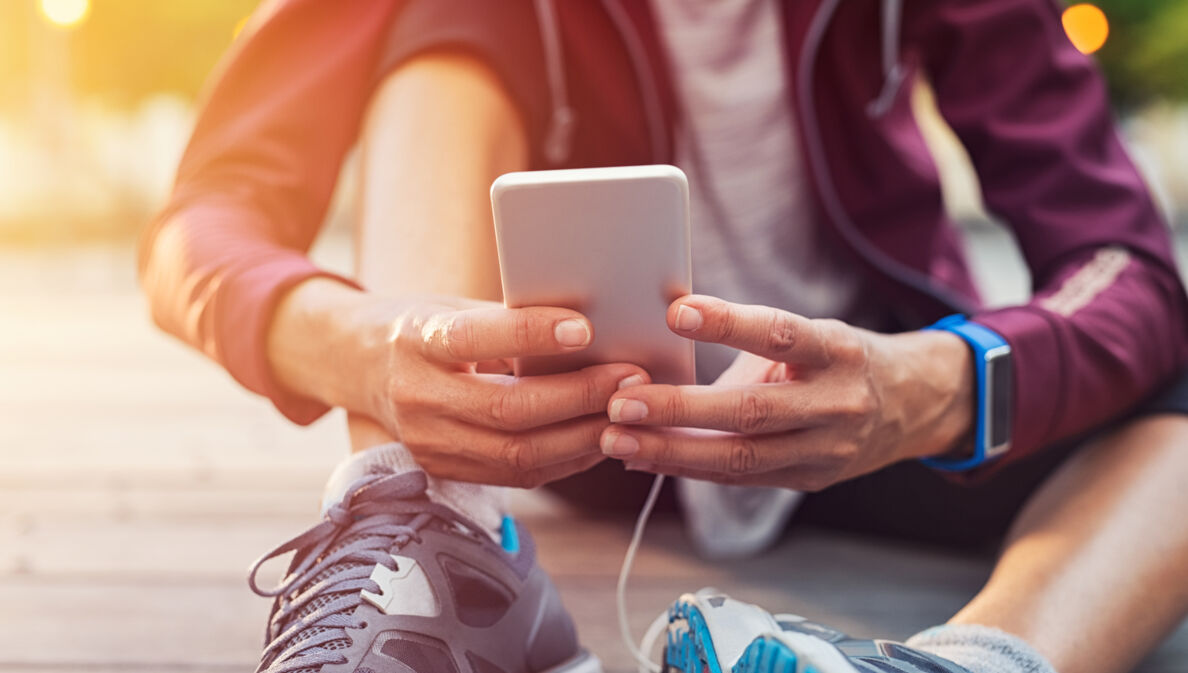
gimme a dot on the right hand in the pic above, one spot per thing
(445, 391)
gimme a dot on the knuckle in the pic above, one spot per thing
(843, 452)
(523, 328)
(754, 413)
(672, 409)
(842, 343)
(454, 336)
(726, 320)
(593, 397)
(508, 410)
(516, 454)
(783, 335)
(743, 457)
(862, 401)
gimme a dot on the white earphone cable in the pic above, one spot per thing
(646, 665)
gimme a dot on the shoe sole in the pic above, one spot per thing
(689, 648)
(583, 662)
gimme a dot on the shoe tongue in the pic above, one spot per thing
(385, 459)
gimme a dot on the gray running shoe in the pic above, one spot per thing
(709, 632)
(390, 582)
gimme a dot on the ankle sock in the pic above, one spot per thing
(485, 505)
(981, 649)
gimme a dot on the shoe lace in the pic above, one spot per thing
(314, 604)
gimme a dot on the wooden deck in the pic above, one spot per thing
(137, 482)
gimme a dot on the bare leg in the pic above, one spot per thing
(438, 132)
(1095, 571)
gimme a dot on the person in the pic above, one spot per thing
(821, 252)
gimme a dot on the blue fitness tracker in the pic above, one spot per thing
(995, 392)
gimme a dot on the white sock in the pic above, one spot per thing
(484, 505)
(981, 649)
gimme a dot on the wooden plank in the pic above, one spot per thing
(137, 481)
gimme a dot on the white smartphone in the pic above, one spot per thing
(612, 243)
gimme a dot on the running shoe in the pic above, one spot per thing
(390, 582)
(731, 522)
(709, 632)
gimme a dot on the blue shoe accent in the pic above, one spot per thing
(510, 536)
(690, 649)
(765, 655)
(752, 644)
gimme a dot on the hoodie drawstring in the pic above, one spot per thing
(562, 118)
(893, 71)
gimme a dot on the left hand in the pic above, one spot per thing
(808, 403)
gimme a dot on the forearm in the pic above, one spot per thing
(1106, 330)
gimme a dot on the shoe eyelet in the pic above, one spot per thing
(361, 625)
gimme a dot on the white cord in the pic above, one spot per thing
(646, 665)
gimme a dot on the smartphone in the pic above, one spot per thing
(611, 243)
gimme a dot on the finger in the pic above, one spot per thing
(767, 332)
(551, 473)
(705, 451)
(798, 478)
(750, 409)
(479, 334)
(443, 446)
(510, 403)
(479, 472)
(534, 449)
(750, 368)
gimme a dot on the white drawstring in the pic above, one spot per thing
(562, 118)
(640, 654)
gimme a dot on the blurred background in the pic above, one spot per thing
(97, 97)
(137, 481)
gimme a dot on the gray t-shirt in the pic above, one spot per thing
(754, 237)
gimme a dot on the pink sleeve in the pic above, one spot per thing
(255, 182)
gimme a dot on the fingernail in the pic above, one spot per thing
(633, 380)
(687, 318)
(640, 466)
(627, 411)
(572, 333)
(618, 446)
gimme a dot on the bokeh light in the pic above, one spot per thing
(65, 13)
(1086, 26)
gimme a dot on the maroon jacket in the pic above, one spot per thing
(1109, 317)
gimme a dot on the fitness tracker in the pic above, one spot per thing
(994, 383)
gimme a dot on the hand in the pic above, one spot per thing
(436, 376)
(807, 404)
(447, 393)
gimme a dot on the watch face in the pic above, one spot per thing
(1000, 380)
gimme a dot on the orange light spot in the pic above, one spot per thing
(1086, 26)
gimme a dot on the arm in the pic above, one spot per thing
(1108, 321)
(419, 356)
(813, 402)
(225, 265)
(255, 182)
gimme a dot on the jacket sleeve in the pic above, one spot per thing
(1108, 320)
(256, 180)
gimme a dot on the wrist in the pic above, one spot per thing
(936, 391)
(320, 347)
